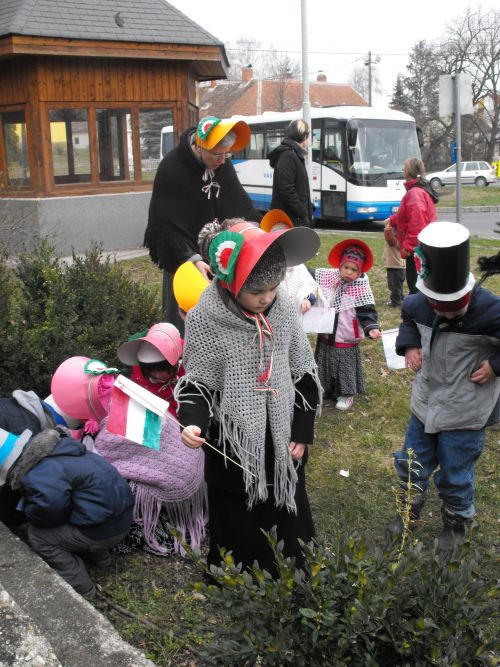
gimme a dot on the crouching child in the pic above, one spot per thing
(76, 504)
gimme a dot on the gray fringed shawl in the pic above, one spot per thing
(221, 354)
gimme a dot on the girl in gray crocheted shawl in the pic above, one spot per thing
(251, 389)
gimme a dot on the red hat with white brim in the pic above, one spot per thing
(336, 253)
(298, 244)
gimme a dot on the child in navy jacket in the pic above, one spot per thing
(450, 337)
(75, 503)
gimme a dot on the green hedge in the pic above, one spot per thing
(52, 310)
(353, 606)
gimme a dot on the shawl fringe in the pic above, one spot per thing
(188, 516)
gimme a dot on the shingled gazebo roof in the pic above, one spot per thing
(142, 22)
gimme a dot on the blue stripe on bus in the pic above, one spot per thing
(384, 210)
(262, 202)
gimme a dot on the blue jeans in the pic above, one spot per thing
(454, 452)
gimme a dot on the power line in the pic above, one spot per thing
(324, 53)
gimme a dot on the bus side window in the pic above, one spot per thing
(274, 137)
(255, 149)
(332, 149)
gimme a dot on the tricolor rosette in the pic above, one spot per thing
(420, 263)
(206, 125)
(224, 251)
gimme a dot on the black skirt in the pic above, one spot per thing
(239, 529)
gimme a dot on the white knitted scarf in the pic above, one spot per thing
(222, 355)
(342, 294)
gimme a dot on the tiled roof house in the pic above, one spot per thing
(250, 96)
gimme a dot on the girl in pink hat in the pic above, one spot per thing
(251, 390)
(167, 484)
(155, 358)
(347, 289)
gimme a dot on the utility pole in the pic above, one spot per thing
(369, 62)
(458, 145)
(306, 104)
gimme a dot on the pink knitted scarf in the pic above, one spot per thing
(171, 477)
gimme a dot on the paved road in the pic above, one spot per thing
(479, 224)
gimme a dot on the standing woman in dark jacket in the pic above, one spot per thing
(291, 191)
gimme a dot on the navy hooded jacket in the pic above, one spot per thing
(75, 486)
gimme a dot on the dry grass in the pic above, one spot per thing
(361, 440)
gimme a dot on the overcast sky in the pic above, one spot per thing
(340, 34)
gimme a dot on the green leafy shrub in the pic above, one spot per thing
(57, 310)
(353, 606)
(9, 300)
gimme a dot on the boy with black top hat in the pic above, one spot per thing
(450, 337)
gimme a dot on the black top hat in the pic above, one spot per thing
(442, 261)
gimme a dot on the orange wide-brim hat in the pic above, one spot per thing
(298, 244)
(335, 254)
(219, 131)
(273, 217)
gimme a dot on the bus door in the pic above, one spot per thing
(333, 183)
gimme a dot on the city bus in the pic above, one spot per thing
(357, 159)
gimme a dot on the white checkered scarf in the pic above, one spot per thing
(221, 358)
(342, 294)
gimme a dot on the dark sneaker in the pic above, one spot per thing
(455, 530)
(451, 537)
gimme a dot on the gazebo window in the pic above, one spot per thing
(16, 148)
(151, 122)
(69, 135)
(114, 137)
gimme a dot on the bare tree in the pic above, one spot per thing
(281, 68)
(472, 44)
(359, 80)
(243, 52)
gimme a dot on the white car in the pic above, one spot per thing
(475, 172)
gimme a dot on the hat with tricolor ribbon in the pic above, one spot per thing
(234, 254)
(212, 130)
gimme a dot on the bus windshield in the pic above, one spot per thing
(378, 149)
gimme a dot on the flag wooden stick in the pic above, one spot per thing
(160, 407)
(214, 448)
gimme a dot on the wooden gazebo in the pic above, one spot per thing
(85, 90)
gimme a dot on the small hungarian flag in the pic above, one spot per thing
(136, 413)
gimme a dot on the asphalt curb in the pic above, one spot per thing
(470, 209)
(45, 622)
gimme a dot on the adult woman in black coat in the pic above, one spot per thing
(196, 182)
(291, 192)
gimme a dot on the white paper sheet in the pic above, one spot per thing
(319, 320)
(394, 361)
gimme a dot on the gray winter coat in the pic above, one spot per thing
(443, 396)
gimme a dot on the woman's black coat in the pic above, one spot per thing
(291, 191)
